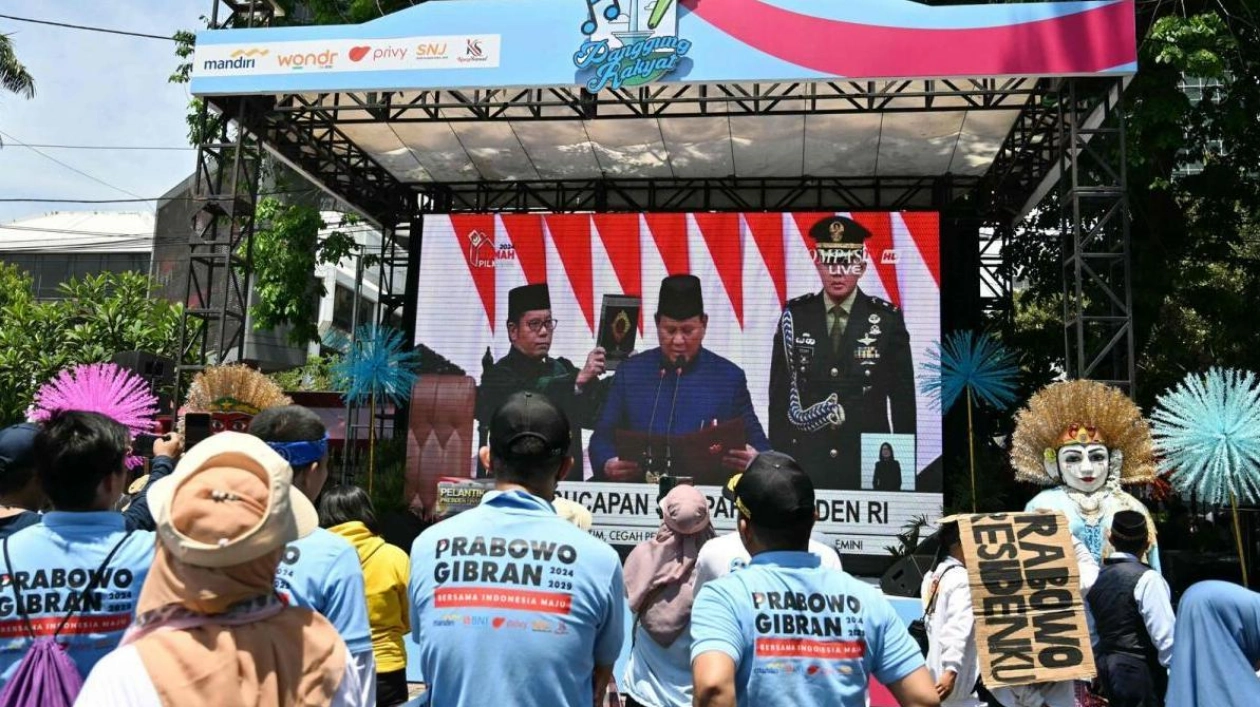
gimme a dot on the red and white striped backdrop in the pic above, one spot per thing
(749, 264)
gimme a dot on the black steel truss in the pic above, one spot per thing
(677, 195)
(1097, 292)
(229, 160)
(668, 100)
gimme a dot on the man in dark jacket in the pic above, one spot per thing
(1133, 618)
(530, 367)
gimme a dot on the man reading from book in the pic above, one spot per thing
(671, 395)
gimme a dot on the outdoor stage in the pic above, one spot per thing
(600, 146)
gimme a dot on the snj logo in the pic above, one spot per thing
(312, 60)
(431, 50)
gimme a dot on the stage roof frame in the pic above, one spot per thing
(725, 105)
(739, 119)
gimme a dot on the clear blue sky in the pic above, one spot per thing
(95, 89)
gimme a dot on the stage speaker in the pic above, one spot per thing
(157, 370)
(905, 577)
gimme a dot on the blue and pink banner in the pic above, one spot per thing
(601, 44)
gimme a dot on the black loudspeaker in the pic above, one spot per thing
(905, 577)
(157, 370)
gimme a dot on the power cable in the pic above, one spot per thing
(76, 170)
(88, 28)
(104, 147)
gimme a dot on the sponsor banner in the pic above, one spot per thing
(853, 522)
(339, 55)
(1025, 590)
(621, 44)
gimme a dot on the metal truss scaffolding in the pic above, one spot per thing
(229, 160)
(1097, 293)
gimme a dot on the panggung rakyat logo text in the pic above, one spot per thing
(632, 47)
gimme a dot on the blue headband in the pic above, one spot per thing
(301, 453)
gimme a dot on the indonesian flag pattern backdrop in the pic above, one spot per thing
(750, 265)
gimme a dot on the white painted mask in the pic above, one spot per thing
(1084, 467)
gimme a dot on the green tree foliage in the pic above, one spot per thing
(313, 376)
(96, 317)
(287, 247)
(1195, 231)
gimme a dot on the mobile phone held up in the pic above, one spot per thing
(142, 445)
(196, 428)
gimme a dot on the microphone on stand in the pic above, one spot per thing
(678, 371)
(649, 462)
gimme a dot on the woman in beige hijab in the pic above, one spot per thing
(210, 630)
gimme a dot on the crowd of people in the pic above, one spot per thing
(234, 577)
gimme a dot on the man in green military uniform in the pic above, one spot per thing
(529, 367)
(846, 370)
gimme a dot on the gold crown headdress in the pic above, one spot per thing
(1081, 412)
(233, 391)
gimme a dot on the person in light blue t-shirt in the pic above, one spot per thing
(321, 571)
(511, 604)
(49, 568)
(786, 631)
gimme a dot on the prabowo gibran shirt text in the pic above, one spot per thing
(52, 565)
(512, 605)
(321, 572)
(801, 634)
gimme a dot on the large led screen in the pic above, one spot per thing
(840, 392)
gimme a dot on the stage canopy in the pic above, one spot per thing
(465, 93)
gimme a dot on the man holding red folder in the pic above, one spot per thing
(672, 391)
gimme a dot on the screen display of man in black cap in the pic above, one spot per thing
(1133, 619)
(786, 631)
(677, 388)
(530, 366)
(847, 369)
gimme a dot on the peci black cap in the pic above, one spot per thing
(528, 298)
(681, 297)
(529, 415)
(1129, 526)
(17, 446)
(775, 492)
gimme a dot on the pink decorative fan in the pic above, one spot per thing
(103, 388)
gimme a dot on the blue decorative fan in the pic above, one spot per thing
(977, 366)
(376, 366)
(1207, 433)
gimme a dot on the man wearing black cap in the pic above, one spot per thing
(674, 389)
(848, 361)
(512, 604)
(20, 494)
(787, 631)
(1133, 619)
(528, 366)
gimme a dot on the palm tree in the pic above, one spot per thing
(13, 75)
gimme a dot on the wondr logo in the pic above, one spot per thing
(312, 60)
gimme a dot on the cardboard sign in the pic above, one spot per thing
(1025, 592)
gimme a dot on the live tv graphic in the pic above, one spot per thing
(834, 383)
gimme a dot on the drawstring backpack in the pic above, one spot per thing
(47, 676)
